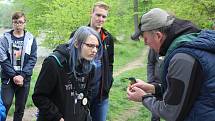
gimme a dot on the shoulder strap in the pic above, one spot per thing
(59, 58)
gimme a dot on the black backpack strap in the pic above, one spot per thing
(60, 59)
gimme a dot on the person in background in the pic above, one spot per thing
(153, 67)
(18, 56)
(103, 77)
(153, 73)
(62, 91)
(188, 73)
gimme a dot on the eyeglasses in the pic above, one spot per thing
(18, 22)
(91, 46)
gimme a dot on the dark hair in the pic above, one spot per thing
(18, 15)
(163, 30)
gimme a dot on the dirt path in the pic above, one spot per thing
(137, 63)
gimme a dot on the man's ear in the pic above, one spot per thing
(159, 35)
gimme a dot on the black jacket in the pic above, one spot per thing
(107, 63)
(55, 88)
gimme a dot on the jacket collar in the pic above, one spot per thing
(178, 28)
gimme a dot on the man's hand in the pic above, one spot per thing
(135, 93)
(18, 80)
(148, 88)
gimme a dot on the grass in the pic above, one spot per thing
(118, 98)
(126, 52)
(143, 115)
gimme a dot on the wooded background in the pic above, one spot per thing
(58, 18)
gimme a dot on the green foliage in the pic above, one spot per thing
(120, 17)
(201, 12)
(58, 18)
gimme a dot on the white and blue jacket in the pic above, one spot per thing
(28, 57)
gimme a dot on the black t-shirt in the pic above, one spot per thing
(17, 47)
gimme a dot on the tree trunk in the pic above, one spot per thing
(135, 18)
(136, 14)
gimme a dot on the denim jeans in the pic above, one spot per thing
(21, 94)
(99, 109)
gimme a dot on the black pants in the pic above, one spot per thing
(21, 94)
(155, 117)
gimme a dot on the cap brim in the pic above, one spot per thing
(136, 34)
